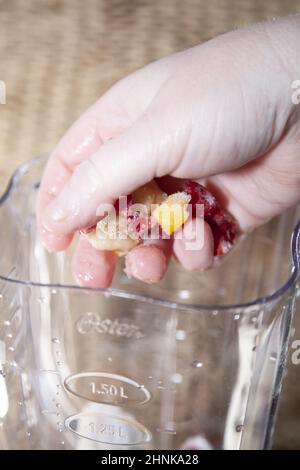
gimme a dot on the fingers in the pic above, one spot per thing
(149, 262)
(195, 248)
(175, 117)
(91, 267)
(54, 179)
(94, 268)
(119, 167)
(108, 117)
(78, 144)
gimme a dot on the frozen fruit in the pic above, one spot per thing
(131, 222)
(149, 194)
(140, 220)
(173, 212)
(225, 231)
(200, 195)
(111, 232)
(223, 226)
(151, 207)
(110, 235)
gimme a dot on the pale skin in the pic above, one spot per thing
(221, 112)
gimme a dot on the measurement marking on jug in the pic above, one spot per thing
(108, 429)
(103, 387)
(106, 389)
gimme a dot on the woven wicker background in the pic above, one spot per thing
(57, 57)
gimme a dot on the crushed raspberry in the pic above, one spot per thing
(141, 223)
(223, 226)
(200, 195)
(224, 231)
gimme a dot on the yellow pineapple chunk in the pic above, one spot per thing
(172, 213)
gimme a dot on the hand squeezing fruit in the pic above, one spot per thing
(152, 213)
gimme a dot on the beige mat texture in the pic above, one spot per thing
(57, 57)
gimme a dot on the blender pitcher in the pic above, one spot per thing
(195, 361)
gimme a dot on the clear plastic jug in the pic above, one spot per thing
(195, 361)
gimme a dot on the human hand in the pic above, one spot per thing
(220, 112)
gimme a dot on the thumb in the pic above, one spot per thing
(120, 166)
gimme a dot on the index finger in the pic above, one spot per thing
(82, 140)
